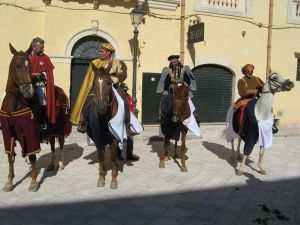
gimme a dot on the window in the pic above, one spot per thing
(294, 12)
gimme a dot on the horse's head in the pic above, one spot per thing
(277, 83)
(19, 78)
(180, 100)
(103, 89)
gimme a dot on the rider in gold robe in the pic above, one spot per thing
(118, 74)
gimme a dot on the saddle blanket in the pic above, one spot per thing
(265, 136)
(117, 126)
(21, 126)
(191, 122)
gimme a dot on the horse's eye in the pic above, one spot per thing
(18, 66)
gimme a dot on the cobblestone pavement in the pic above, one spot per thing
(208, 194)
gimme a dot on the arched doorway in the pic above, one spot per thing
(214, 92)
(83, 51)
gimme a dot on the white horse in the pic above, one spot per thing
(264, 117)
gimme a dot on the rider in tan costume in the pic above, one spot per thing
(249, 86)
(118, 74)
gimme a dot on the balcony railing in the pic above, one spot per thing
(241, 8)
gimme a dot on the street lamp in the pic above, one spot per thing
(136, 17)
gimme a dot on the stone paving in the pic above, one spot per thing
(208, 194)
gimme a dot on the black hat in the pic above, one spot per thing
(172, 57)
(124, 86)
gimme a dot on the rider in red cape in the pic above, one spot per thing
(42, 63)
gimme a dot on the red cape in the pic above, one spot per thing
(42, 63)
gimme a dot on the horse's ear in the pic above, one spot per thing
(12, 49)
(29, 50)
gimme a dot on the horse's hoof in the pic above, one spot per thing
(161, 164)
(33, 187)
(51, 167)
(184, 169)
(7, 188)
(114, 185)
(239, 173)
(263, 172)
(101, 183)
(61, 166)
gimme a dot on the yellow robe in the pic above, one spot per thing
(84, 90)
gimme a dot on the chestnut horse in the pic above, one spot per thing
(173, 121)
(19, 116)
(100, 107)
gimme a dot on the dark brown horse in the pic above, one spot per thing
(180, 111)
(101, 106)
(19, 116)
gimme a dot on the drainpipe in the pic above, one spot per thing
(268, 67)
(182, 34)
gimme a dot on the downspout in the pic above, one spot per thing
(182, 34)
(270, 25)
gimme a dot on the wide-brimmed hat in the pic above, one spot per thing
(107, 46)
(173, 57)
(124, 86)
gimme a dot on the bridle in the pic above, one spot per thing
(19, 86)
(272, 82)
(179, 114)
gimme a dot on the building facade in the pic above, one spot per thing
(235, 32)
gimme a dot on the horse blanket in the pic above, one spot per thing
(22, 126)
(102, 132)
(252, 130)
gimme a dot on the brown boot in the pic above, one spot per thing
(82, 126)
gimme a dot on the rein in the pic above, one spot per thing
(276, 83)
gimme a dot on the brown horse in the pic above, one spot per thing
(173, 120)
(19, 116)
(101, 105)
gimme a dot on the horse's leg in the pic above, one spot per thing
(52, 163)
(165, 153)
(101, 180)
(61, 141)
(260, 161)
(183, 150)
(241, 169)
(11, 174)
(113, 157)
(33, 185)
(239, 156)
(232, 150)
(175, 150)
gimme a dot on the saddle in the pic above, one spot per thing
(239, 115)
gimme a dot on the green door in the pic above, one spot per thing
(78, 69)
(84, 50)
(214, 92)
(150, 99)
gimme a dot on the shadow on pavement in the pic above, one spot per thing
(257, 202)
(224, 153)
